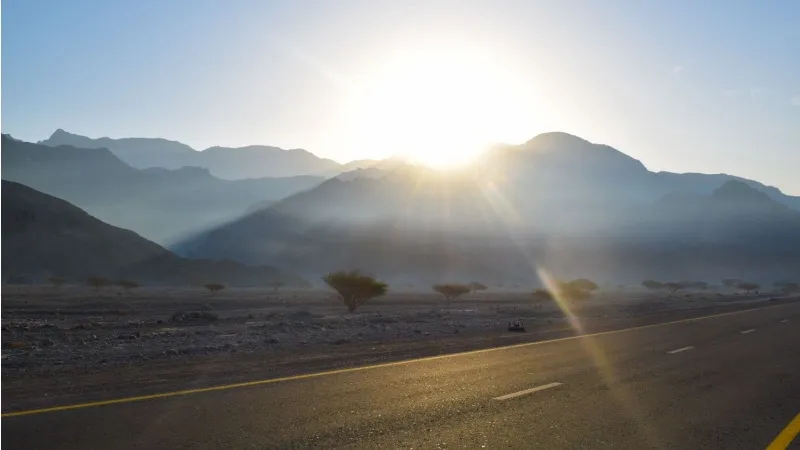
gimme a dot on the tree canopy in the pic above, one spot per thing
(355, 288)
(451, 291)
(577, 289)
(477, 286)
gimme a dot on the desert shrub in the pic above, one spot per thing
(214, 287)
(747, 287)
(477, 286)
(57, 282)
(275, 285)
(128, 284)
(97, 282)
(542, 294)
(355, 288)
(451, 291)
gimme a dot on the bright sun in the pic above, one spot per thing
(440, 108)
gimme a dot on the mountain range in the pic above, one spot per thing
(557, 203)
(161, 204)
(44, 236)
(254, 161)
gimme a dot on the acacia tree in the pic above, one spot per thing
(477, 286)
(747, 287)
(214, 287)
(451, 291)
(355, 288)
(275, 285)
(577, 289)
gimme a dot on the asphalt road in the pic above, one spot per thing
(730, 381)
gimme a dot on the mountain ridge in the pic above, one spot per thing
(252, 161)
(518, 204)
(45, 236)
(161, 204)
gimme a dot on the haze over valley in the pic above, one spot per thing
(556, 203)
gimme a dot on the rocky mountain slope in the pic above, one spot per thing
(44, 236)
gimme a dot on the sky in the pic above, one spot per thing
(683, 86)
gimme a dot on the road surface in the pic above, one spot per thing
(726, 381)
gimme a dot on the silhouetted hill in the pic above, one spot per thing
(45, 236)
(161, 204)
(556, 202)
(255, 161)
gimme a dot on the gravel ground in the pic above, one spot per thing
(45, 329)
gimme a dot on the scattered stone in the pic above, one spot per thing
(273, 340)
(47, 342)
(14, 344)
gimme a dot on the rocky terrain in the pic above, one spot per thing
(47, 329)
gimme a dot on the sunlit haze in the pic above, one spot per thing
(682, 86)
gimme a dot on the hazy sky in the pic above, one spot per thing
(711, 86)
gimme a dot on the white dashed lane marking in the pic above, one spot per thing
(748, 331)
(528, 391)
(682, 349)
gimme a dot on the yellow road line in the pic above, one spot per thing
(787, 435)
(355, 369)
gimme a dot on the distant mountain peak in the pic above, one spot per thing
(740, 191)
(556, 138)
